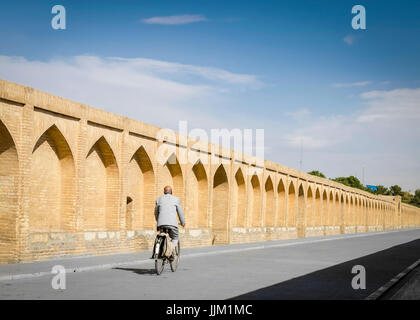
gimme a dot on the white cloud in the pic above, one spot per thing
(351, 84)
(153, 91)
(299, 115)
(398, 104)
(175, 20)
(397, 109)
(322, 132)
(213, 74)
(385, 83)
(383, 135)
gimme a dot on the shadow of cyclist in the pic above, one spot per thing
(138, 271)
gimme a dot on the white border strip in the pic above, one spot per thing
(378, 293)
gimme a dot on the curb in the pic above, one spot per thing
(72, 270)
(382, 290)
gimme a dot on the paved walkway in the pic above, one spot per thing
(94, 262)
(289, 269)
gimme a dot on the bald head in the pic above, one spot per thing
(167, 190)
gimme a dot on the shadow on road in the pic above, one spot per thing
(335, 282)
(139, 271)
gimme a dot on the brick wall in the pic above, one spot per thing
(78, 180)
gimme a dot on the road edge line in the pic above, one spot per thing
(386, 287)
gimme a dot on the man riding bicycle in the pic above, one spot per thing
(166, 209)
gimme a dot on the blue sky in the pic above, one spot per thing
(295, 68)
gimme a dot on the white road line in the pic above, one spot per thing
(378, 293)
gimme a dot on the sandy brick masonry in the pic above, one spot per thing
(78, 180)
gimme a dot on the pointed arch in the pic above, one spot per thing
(386, 216)
(309, 216)
(301, 217)
(281, 204)
(255, 197)
(317, 220)
(9, 172)
(141, 191)
(324, 216)
(198, 198)
(340, 219)
(369, 212)
(239, 202)
(291, 205)
(172, 175)
(361, 211)
(220, 206)
(364, 213)
(345, 214)
(356, 211)
(101, 188)
(53, 184)
(337, 212)
(269, 203)
(331, 209)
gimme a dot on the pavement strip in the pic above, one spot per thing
(191, 255)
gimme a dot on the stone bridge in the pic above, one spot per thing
(78, 180)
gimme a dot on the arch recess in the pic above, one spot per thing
(220, 214)
(317, 220)
(291, 206)
(53, 184)
(171, 174)
(269, 203)
(101, 188)
(255, 197)
(198, 200)
(281, 204)
(310, 214)
(324, 216)
(9, 172)
(240, 200)
(141, 192)
(301, 218)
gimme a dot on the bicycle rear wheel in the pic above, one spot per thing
(159, 262)
(175, 262)
(159, 266)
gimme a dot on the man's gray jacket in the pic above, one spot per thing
(166, 209)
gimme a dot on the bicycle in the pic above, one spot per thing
(160, 258)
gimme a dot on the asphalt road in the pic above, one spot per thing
(312, 268)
